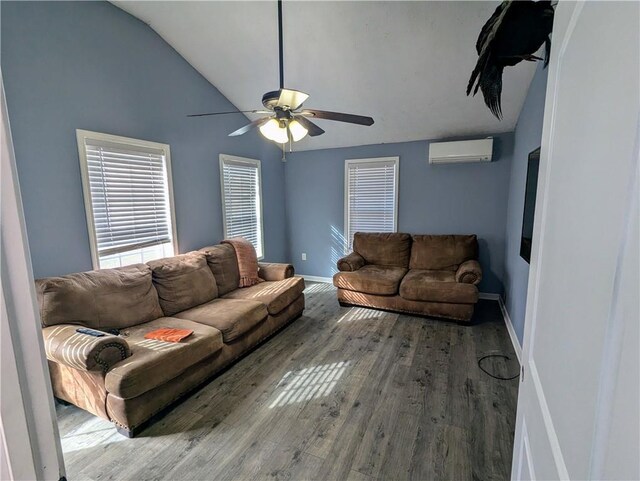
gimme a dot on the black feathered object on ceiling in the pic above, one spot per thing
(515, 32)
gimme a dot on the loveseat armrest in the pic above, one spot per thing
(469, 272)
(274, 271)
(62, 344)
(351, 262)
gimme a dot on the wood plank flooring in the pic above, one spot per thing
(340, 394)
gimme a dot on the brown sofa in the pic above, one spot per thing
(126, 378)
(429, 275)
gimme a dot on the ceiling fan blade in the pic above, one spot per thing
(338, 116)
(291, 98)
(232, 112)
(312, 128)
(248, 127)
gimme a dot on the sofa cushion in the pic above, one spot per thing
(442, 252)
(153, 363)
(224, 266)
(276, 295)
(233, 317)
(383, 249)
(106, 298)
(436, 286)
(183, 282)
(371, 279)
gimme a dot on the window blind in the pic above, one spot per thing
(241, 199)
(371, 197)
(129, 195)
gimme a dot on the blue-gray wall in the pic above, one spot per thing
(89, 65)
(433, 199)
(527, 137)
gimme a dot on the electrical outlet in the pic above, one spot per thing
(304, 256)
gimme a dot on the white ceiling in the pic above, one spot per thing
(406, 64)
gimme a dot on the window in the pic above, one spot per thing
(371, 196)
(242, 200)
(128, 199)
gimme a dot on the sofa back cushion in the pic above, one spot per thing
(224, 266)
(183, 282)
(383, 249)
(442, 252)
(107, 298)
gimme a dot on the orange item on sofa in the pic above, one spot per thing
(168, 334)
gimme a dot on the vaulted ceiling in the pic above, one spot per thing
(406, 64)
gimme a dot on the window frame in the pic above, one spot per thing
(396, 173)
(223, 158)
(81, 137)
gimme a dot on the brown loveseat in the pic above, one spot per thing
(126, 378)
(430, 275)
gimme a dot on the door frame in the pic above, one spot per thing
(30, 440)
(531, 388)
(521, 448)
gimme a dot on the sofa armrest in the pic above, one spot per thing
(351, 262)
(273, 271)
(62, 344)
(469, 272)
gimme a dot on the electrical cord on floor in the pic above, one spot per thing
(502, 356)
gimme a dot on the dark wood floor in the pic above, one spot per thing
(342, 393)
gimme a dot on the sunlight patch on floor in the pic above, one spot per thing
(91, 434)
(309, 383)
(317, 287)
(359, 314)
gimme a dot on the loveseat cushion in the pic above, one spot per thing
(383, 249)
(442, 252)
(153, 363)
(107, 298)
(436, 286)
(233, 317)
(276, 295)
(371, 279)
(183, 282)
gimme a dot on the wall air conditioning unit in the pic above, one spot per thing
(461, 152)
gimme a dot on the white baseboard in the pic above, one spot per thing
(489, 295)
(510, 330)
(326, 280)
(507, 321)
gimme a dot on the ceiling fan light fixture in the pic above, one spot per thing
(298, 132)
(286, 120)
(273, 131)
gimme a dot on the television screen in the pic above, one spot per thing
(529, 205)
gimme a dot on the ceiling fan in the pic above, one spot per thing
(286, 120)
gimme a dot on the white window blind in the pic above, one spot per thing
(126, 185)
(242, 199)
(371, 187)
